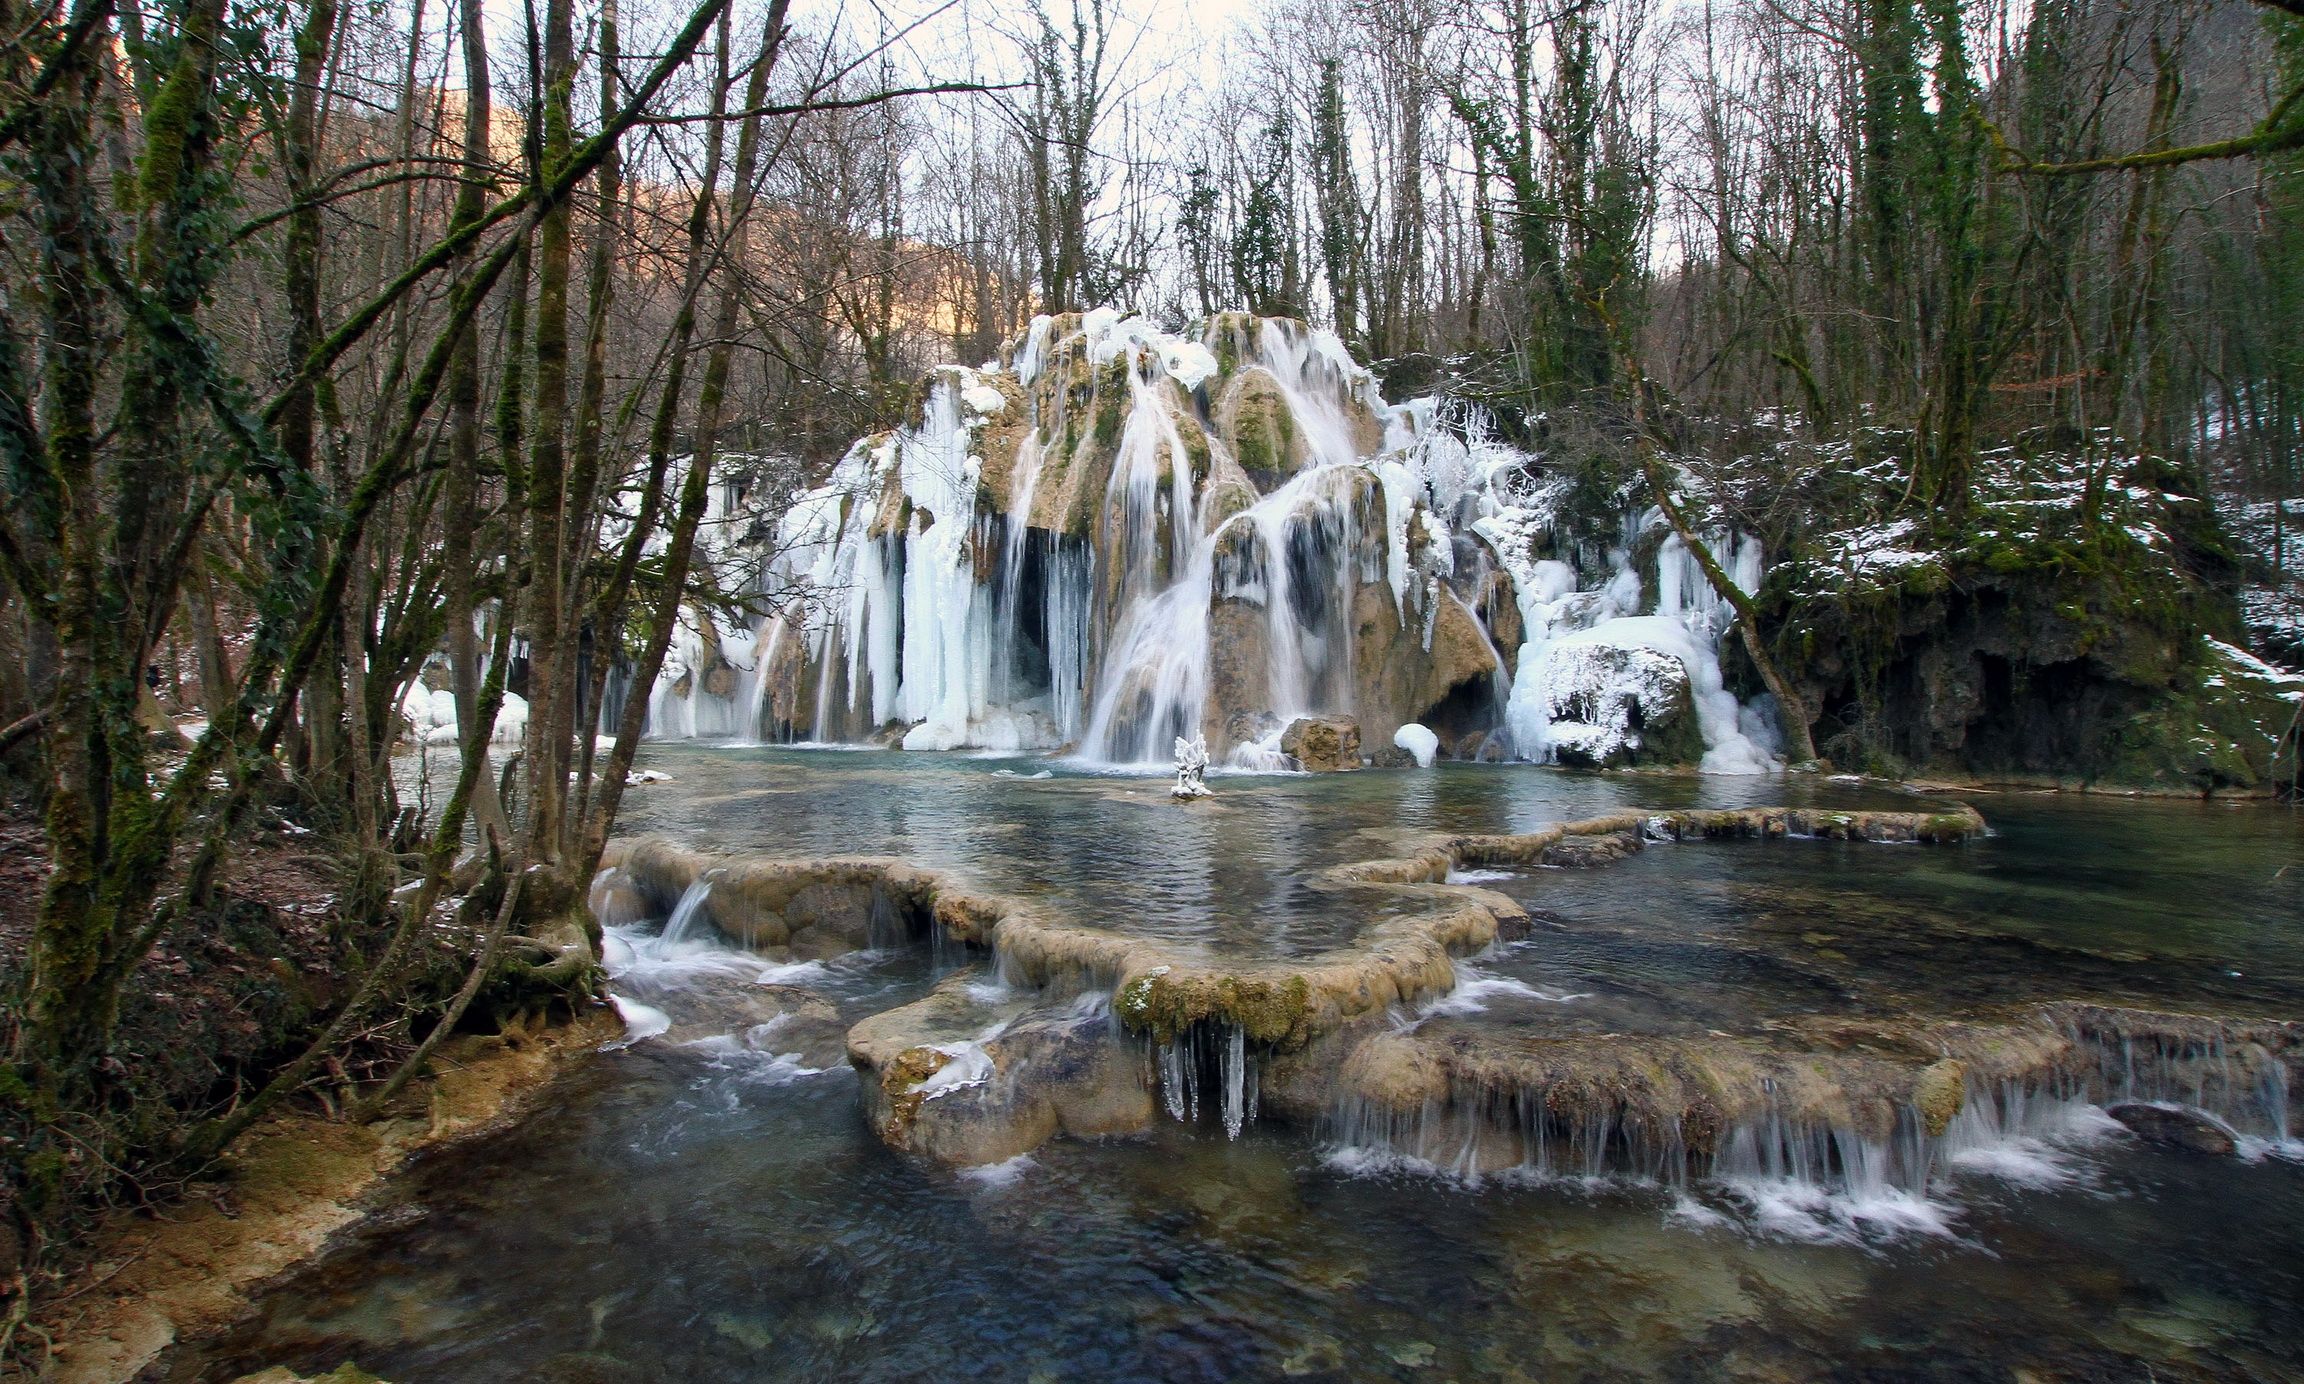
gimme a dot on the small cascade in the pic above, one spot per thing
(1779, 1161)
(1124, 536)
(688, 915)
(2237, 1074)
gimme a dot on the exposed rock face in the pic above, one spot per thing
(1322, 744)
(2174, 1127)
(1413, 659)
(2042, 645)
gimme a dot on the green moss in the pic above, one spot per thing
(1109, 420)
(1252, 440)
(1196, 449)
(1165, 1006)
(1111, 405)
(1938, 1095)
(1947, 827)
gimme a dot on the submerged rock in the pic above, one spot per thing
(1322, 744)
(2176, 1127)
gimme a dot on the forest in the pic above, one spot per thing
(346, 349)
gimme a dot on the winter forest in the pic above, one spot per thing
(507, 506)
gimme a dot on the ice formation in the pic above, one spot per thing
(1118, 537)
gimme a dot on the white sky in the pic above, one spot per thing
(1180, 39)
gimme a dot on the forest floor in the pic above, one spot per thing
(215, 1009)
(153, 1276)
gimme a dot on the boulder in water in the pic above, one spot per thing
(971, 1082)
(1419, 742)
(1614, 703)
(1322, 744)
(2175, 1127)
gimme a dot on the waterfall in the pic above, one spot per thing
(682, 923)
(1121, 536)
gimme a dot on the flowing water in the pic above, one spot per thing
(708, 1203)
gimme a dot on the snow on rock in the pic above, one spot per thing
(985, 399)
(512, 720)
(1188, 363)
(1418, 741)
(431, 716)
(2248, 665)
(1604, 684)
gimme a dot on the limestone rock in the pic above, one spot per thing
(1322, 744)
(2172, 1127)
(968, 1083)
(1255, 423)
(1239, 675)
(805, 910)
(1580, 852)
(1424, 660)
(1939, 1093)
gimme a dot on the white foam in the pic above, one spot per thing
(641, 1021)
(1477, 989)
(1794, 1209)
(1695, 1215)
(1005, 1173)
(750, 1062)
(966, 1065)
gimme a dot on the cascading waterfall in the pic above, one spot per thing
(1122, 536)
(2008, 1130)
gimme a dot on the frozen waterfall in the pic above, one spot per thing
(1118, 537)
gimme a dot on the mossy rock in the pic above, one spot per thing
(1939, 1094)
(1165, 1005)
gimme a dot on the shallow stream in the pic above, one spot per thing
(710, 1205)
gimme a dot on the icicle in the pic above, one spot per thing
(1236, 1080)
